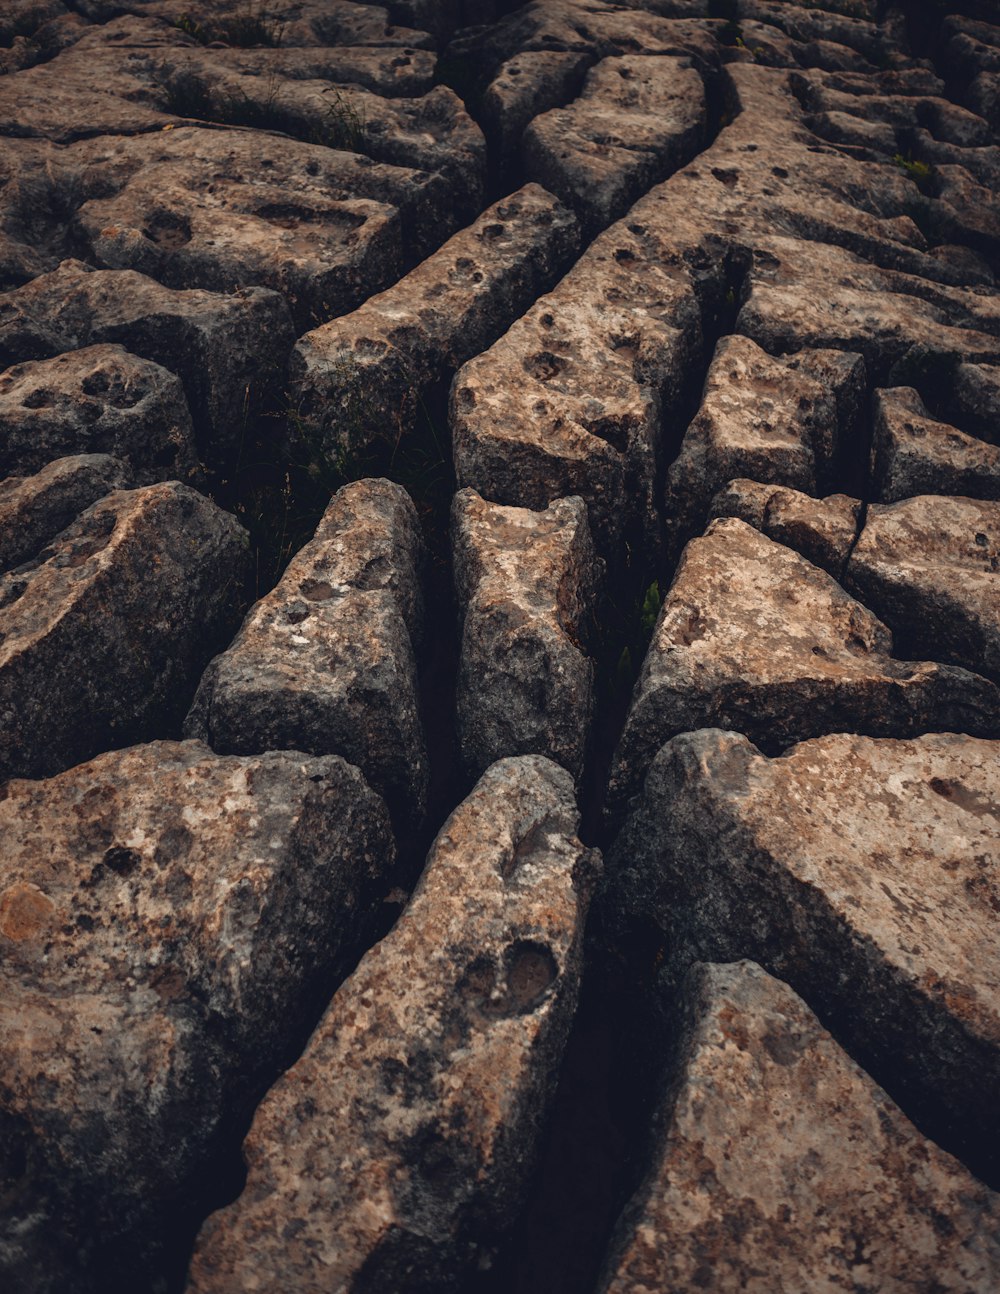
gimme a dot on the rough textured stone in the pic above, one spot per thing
(359, 379)
(637, 119)
(399, 1144)
(167, 919)
(861, 871)
(525, 86)
(219, 345)
(100, 399)
(775, 1153)
(976, 395)
(779, 421)
(104, 634)
(822, 530)
(751, 636)
(929, 566)
(325, 663)
(528, 587)
(34, 509)
(912, 453)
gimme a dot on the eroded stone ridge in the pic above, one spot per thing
(34, 509)
(166, 919)
(394, 1151)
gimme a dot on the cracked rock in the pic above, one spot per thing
(753, 637)
(398, 1147)
(860, 870)
(33, 509)
(167, 918)
(528, 586)
(103, 635)
(325, 662)
(776, 1153)
(822, 530)
(912, 453)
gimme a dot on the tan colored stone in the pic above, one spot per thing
(524, 86)
(779, 1164)
(913, 453)
(528, 589)
(325, 662)
(753, 637)
(396, 1150)
(861, 871)
(930, 566)
(822, 530)
(104, 634)
(359, 379)
(167, 920)
(34, 509)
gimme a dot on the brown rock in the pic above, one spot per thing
(397, 1148)
(776, 421)
(638, 119)
(929, 567)
(751, 636)
(861, 871)
(912, 453)
(525, 86)
(100, 399)
(34, 509)
(822, 530)
(775, 1153)
(976, 393)
(167, 921)
(104, 633)
(325, 662)
(219, 345)
(528, 587)
(359, 379)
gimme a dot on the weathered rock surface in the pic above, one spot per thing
(167, 918)
(776, 1153)
(929, 567)
(528, 585)
(976, 395)
(776, 420)
(524, 86)
(753, 637)
(913, 453)
(822, 530)
(104, 634)
(358, 379)
(637, 119)
(219, 345)
(99, 399)
(397, 1148)
(325, 663)
(33, 509)
(862, 872)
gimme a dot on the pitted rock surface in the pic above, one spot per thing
(528, 585)
(34, 509)
(325, 663)
(415, 1105)
(777, 1154)
(165, 916)
(824, 531)
(104, 633)
(912, 453)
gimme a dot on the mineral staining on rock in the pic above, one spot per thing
(399, 1144)
(777, 1154)
(861, 870)
(528, 586)
(325, 663)
(166, 917)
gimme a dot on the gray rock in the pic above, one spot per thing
(97, 400)
(325, 663)
(528, 587)
(775, 1153)
(219, 345)
(777, 421)
(638, 119)
(912, 453)
(822, 530)
(976, 394)
(929, 567)
(167, 921)
(358, 380)
(753, 637)
(861, 871)
(104, 634)
(397, 1149)
(33, 509)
